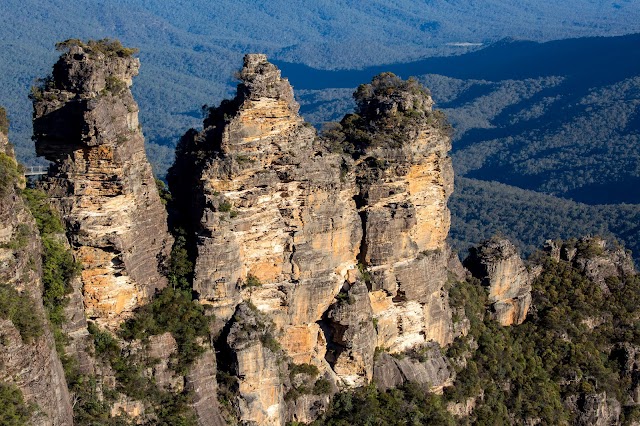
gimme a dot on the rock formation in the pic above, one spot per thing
(498, 266)
(322, 257)
(424, 365)
(28, 358)
(597, 259)
(276, 225)
(404, 178)
(340, 243)
(86, 123)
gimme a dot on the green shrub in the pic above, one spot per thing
(180, 265)
(9, 174)
(4, 121)
(171, 311)
(163, 191)
(106, 46)
(58, 264)
(58, 268)
(115, 85)
(252, 281)
(47, 219)
(105, 344)
(21, 310)
(225, 206)
(308, 369)
(13, 410)
(409, 404)
(365, 275)
(322, 386)
(270, 342)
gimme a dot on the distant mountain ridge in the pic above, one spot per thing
(189, 51)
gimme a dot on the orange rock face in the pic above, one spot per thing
(342, 249)
(86, 122)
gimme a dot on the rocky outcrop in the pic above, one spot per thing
(160, 348)
(596, 258)
(594, 409)
(498, 266)
(259, 366)
(424, 364)
(352, 336)
(276, 225)
(28, 358)
(86, 123)
(201, 381)
(628, 357)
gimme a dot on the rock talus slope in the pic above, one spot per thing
(86, 123)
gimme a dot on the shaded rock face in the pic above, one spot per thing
(353, 337)
(428, 366)
(259, 367)
(86, 123)
(498, 266)
(595, 409)
(628, 357)
(30, 364)
(201, 380)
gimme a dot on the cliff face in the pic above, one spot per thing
(28, 358)
(86, 123)
(498, 266)
(404, 178)
(339, 242)
(276, 224)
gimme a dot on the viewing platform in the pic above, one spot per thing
(35, 170)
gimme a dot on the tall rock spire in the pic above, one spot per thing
(86, 123)
(276, 225)
(404, 178)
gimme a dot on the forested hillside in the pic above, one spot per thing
(189, 49)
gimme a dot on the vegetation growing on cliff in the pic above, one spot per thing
(389, 113)
(20, 309)
(408, 404)
(574, 345)
(58, 264)
(175, 312)
(105, 46)
(131, 379)
(13, 410)
(4, 121)
(9, 174)
(564, 349)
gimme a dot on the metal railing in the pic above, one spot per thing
(35, 170)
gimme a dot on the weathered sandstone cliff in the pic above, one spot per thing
(86, 122)
(404, 178)
(28, 358)
(341, 244)
(498, 266)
